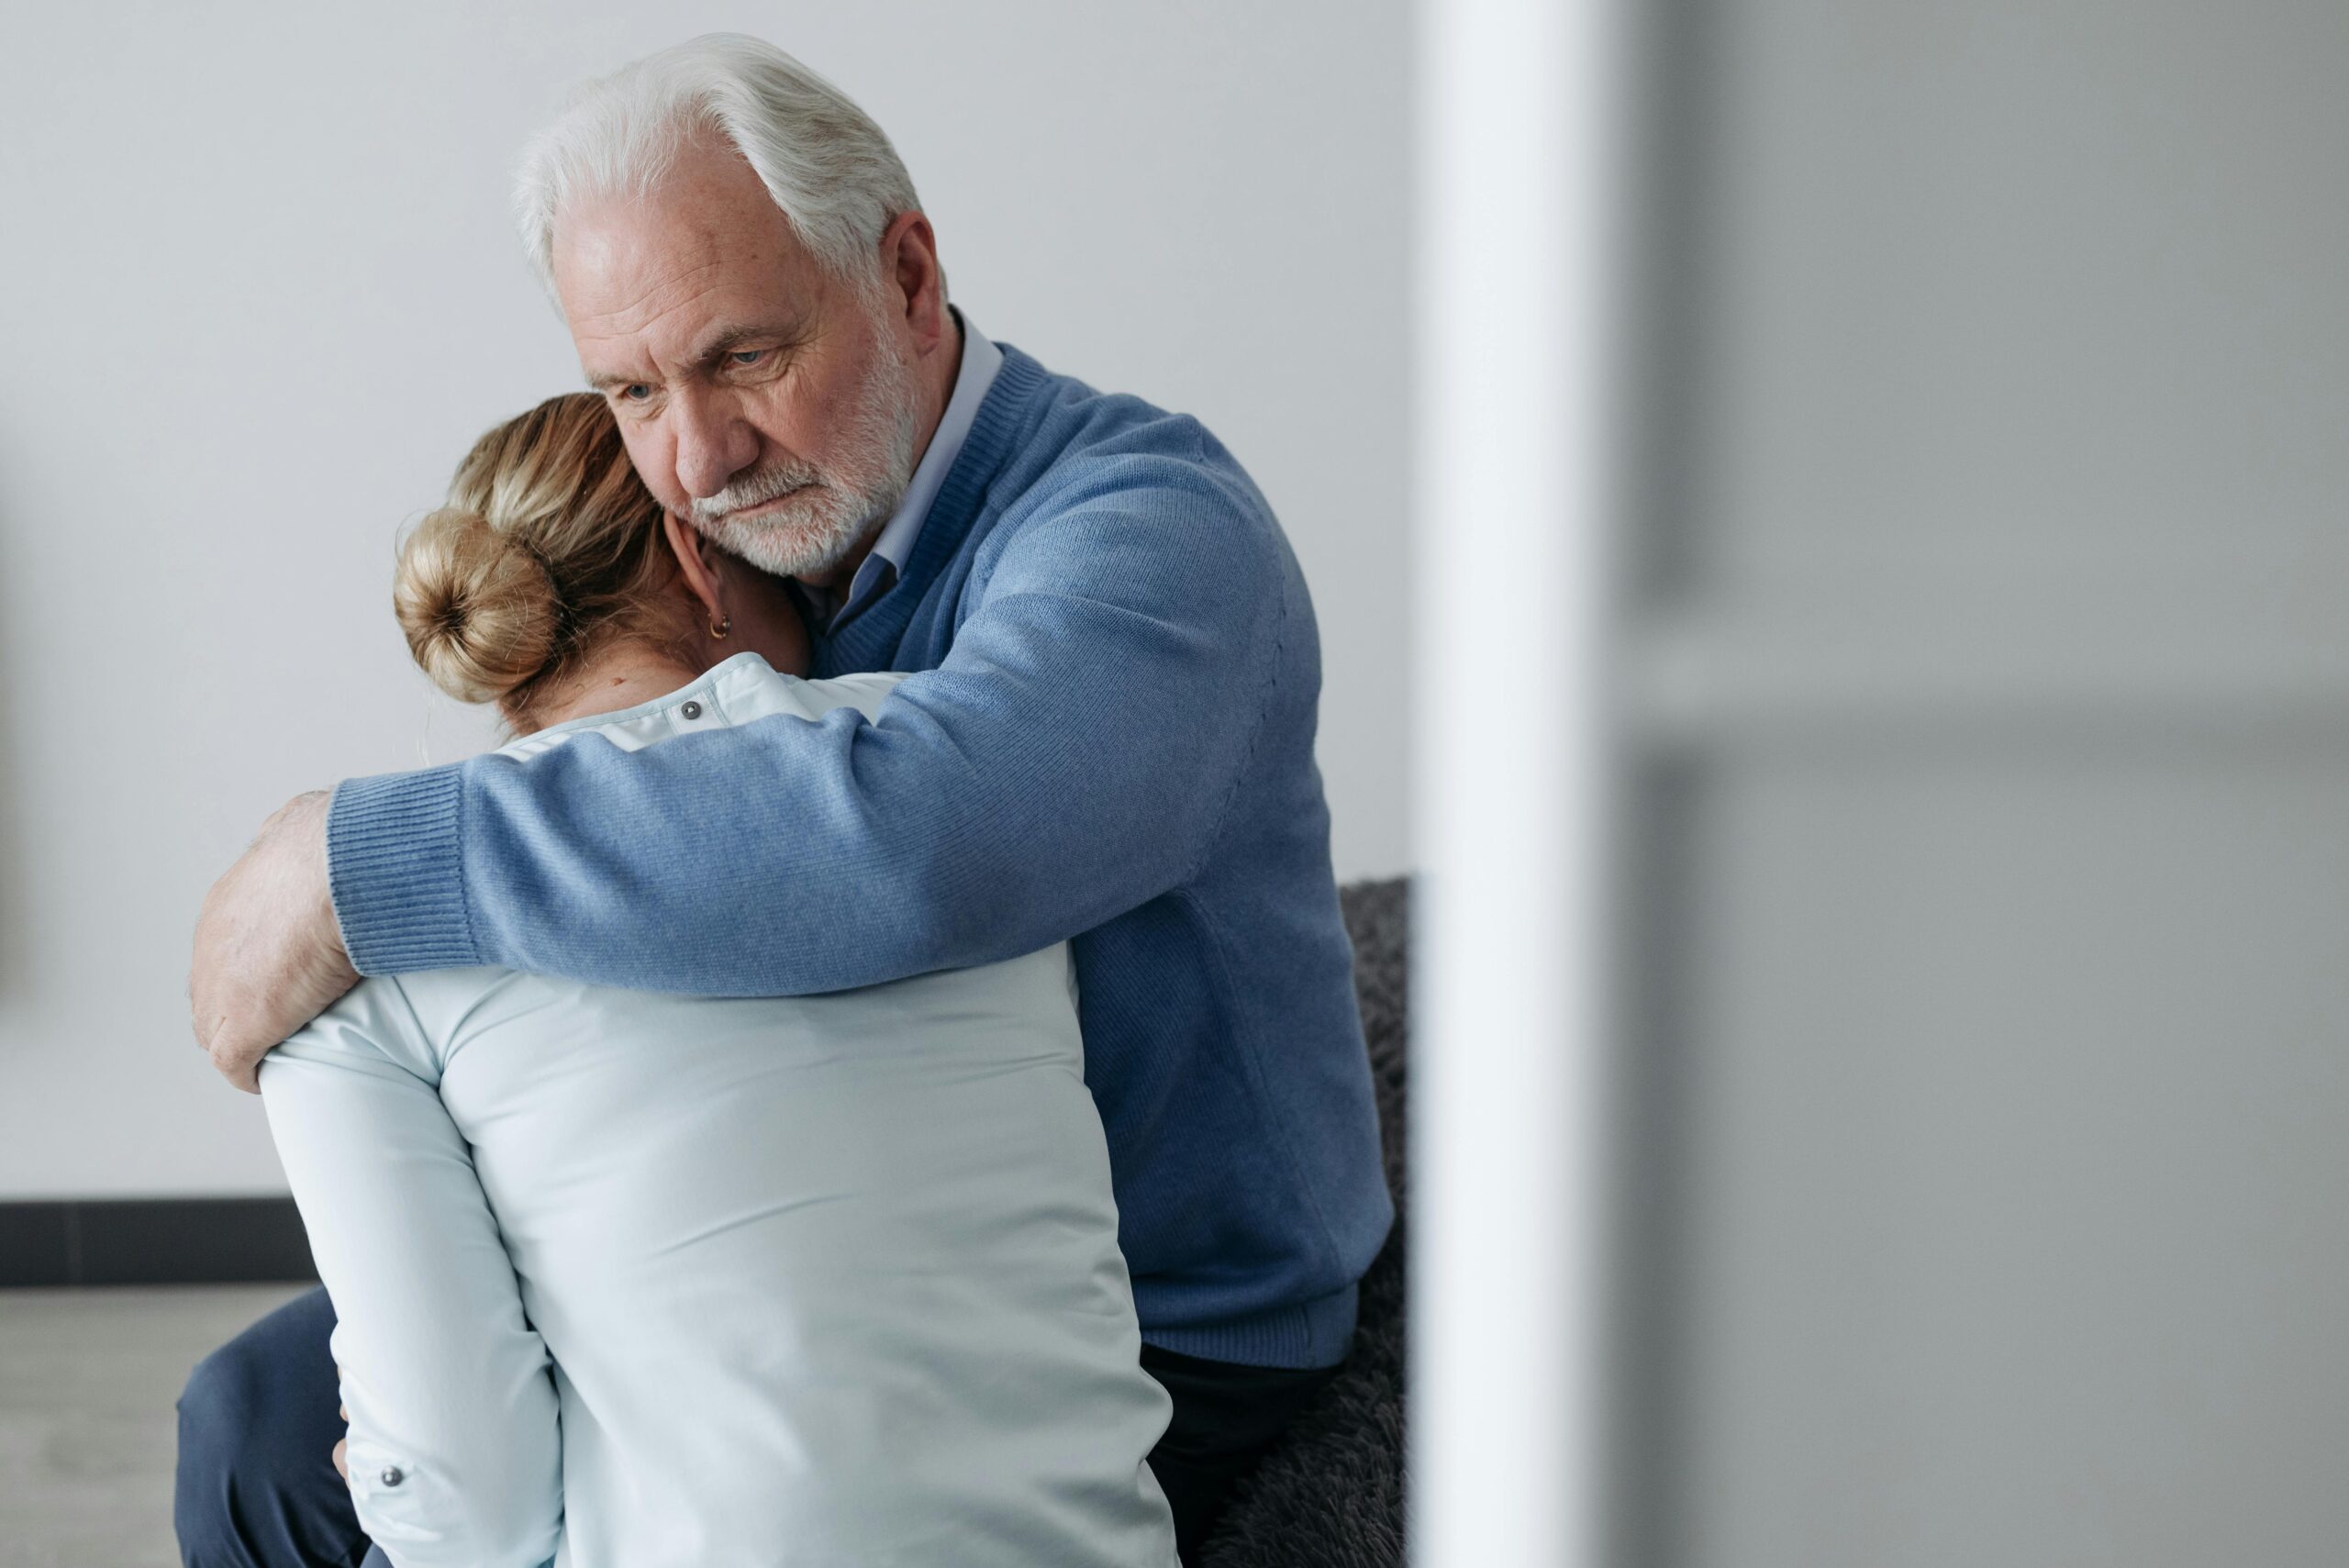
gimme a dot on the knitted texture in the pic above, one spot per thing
(1107, 739)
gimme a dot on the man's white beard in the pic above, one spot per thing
(816, 529)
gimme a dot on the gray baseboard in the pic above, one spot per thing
(86, 1241)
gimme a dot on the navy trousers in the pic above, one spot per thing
(257, 1486)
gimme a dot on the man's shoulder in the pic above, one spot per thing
(1083, 450)
(1075, 417)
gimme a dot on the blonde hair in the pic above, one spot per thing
(550, 547)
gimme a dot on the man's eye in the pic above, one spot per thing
(636, 394)
(747, 356)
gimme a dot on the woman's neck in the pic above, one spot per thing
(621, 676)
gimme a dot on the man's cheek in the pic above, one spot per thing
(656, 464)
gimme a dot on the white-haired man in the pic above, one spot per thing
(1106, 739)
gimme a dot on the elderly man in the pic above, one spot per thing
(1108, 739)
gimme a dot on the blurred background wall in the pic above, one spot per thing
(1989, 653)
(259, 292)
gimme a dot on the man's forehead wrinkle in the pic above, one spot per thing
(658, 297)
(635, 275)
(652, 278)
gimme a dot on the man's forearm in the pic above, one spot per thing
(739, 863)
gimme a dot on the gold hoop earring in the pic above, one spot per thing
(718, 628)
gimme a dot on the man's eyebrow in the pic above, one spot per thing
(732, 336)
(720, 343)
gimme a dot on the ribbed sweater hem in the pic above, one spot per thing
(395, 867)
(1310, 1334)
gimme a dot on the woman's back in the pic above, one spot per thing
(829, 1279)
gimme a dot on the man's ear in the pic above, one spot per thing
(910, 261)
(685, 543)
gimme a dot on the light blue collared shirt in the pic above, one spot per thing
(878, 574)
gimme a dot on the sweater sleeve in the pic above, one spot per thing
(1070, 760)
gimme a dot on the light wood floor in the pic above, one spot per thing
(87, 1378)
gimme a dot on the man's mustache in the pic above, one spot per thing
(754, 489)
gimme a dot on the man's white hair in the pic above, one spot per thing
(823, 159)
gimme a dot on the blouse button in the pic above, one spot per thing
(691, 710)
(393, 1475)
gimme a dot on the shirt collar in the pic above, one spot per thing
(981, 360)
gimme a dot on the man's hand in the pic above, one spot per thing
(268, 956)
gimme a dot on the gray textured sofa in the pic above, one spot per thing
(1330, 1495)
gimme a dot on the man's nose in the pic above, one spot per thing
(713, 444)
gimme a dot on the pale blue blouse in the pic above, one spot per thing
(626, 1280)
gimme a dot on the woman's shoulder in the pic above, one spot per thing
(738, 691)
(757, 692)
(373, 1028)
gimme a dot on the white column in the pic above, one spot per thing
(1517, 296)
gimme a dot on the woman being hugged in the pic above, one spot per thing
(630, 1279)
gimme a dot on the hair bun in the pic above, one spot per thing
(481, 613)
(550, 548)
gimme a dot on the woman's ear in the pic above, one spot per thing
(700, 576)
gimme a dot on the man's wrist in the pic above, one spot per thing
(316, 807)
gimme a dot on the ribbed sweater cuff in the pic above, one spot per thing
(1314, 1334)
(396, 868)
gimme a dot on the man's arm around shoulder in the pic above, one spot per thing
(1071, 759)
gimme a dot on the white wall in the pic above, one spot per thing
(258, 293)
